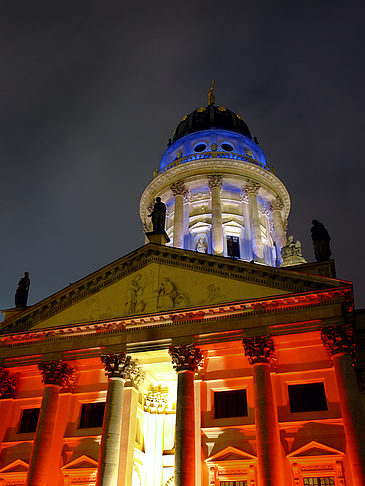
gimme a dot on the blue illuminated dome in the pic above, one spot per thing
(211, 132)
(209, 117)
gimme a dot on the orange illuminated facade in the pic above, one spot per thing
(214, 360)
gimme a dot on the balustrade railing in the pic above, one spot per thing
(209, 155)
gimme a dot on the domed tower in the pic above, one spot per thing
(221, 196)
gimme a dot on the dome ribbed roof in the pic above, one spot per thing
(209, 117)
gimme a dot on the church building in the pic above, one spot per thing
(213, 355)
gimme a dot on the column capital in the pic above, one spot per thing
(122, 366)
(185, 357)
(252, 187)
(215, 180)
(338, 339)
(259, 349)
(277, 204)
(57, 373)
(8, 383)
(179, 188)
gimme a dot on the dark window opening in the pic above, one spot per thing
(29, 420)
(233, 246)
(227, 147)
(309, 397)
(200, 147)
(92, 415)
(328, 481)
(232, 403)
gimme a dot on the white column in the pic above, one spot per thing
(279, 231)
(215, 185)
(179, 191)
(252, 189)
(119, 368)
(185, 360)
(128, 435)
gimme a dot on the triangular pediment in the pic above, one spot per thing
(156, 279)
(82, 462)
(314, 448)
(230, 453)
(17, 466)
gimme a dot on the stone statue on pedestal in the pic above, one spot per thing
(158, 216)
(291, 253)
(321, 241)
(21, 294)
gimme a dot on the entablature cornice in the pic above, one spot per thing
(285, 314)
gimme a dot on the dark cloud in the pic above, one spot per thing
(90, 92)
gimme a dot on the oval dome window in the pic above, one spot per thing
(227, 147)
(200, 147)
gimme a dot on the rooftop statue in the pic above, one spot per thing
(291, 248)
(158, 216)
(211, 97)
(321, 241)
(21, 294)
(291, 253)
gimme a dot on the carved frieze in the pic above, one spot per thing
(338, 339)
(120, 365)
(57, 373)
(185, 357)
(259, 349)
(252, 187)
(215, 180)
(179, 188)
(8, 383)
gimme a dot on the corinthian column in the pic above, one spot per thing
(279, 231)
(215, 185)
(55, 375)
(185, 359)
(260, 352)
(179, 191)
(339, 343)
(251, 189)
(118, 368)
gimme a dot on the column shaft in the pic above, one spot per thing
(352, 414)
(257, 248)
(111, 433)
(179, 221)
(128, 435)
(279, 232)
(185, 430)
(42, 445)
(217, 229)
(267, 433)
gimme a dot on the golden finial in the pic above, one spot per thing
(211, 97)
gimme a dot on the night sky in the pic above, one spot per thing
(90, 92)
